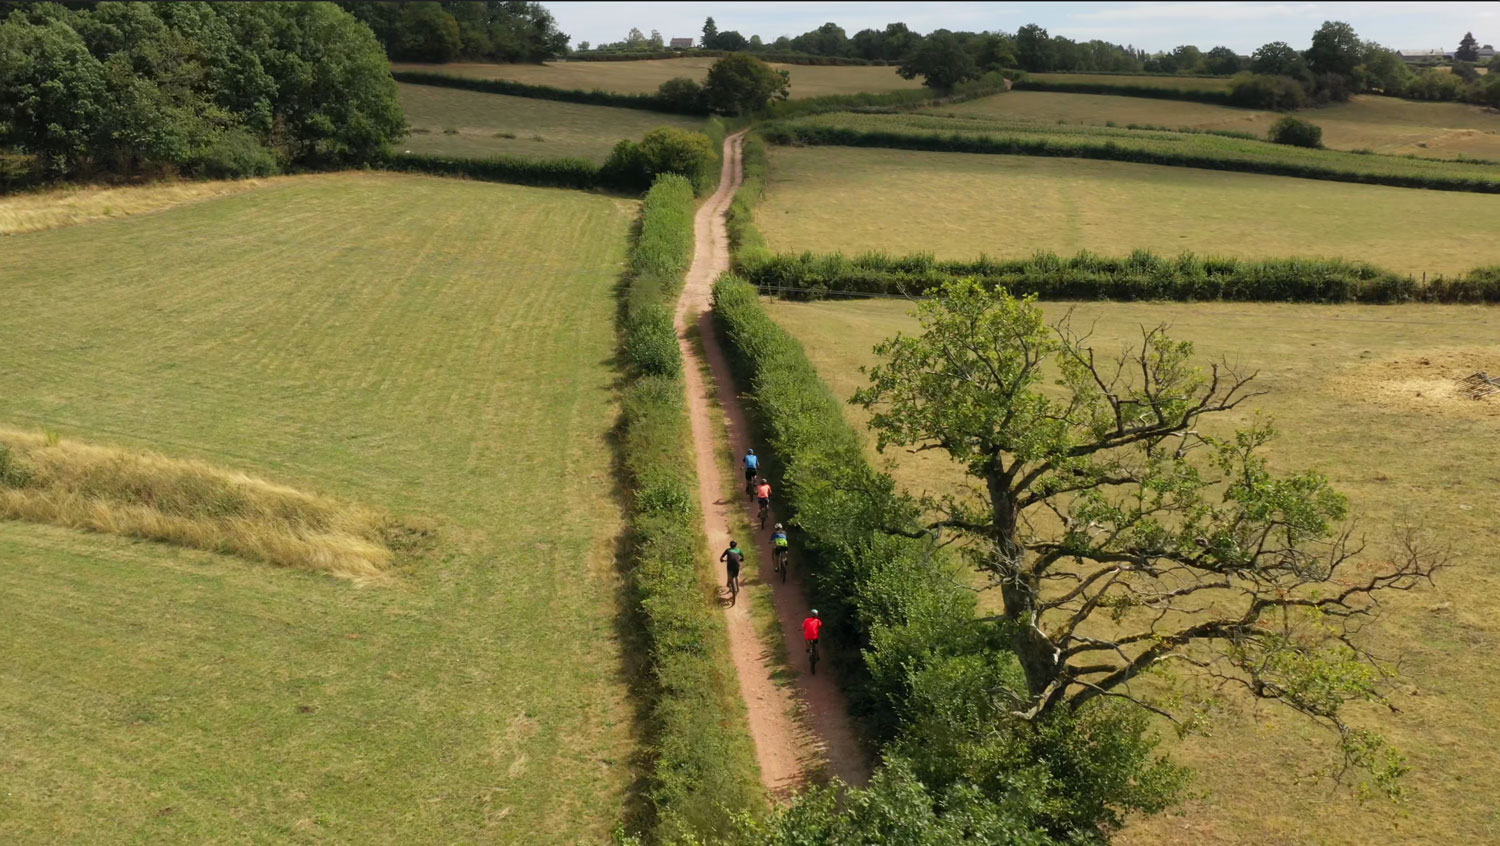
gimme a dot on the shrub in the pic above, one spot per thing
(1296, 132)
(1262, 91)
(666, 150)
(235, 154)
(682, 94)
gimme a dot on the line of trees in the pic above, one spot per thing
(210, 89)
(1339, 63)
(477, 30)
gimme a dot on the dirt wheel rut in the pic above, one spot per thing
(802, 729)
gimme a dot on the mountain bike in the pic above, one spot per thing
(812, 657)
(779, 561)
(734, 590)
(765, 511)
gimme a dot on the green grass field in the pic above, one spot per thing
(452, 122)
(959, 205)
(1363, 394)
(644, 77)
(1169, 147)
(439, 349)
(1366, 122)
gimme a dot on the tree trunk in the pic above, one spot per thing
(1020, 589)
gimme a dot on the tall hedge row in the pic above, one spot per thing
(1142, 275)
(596, 97)
(698, 52)
(703, 768)
(552, 173)
(880, 594)
(1155, 92)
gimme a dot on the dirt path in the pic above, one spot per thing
(802, 728)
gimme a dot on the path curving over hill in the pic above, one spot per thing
(801, 728)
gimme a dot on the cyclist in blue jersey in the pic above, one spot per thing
(752, 467)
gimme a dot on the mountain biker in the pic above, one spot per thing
(752, 467)
(812, 627)
(763, 494)
(779, 544)
(732, 558)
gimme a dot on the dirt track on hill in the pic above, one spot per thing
(802, 729)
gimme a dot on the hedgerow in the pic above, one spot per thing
(1142, 275)
(556, 173)
(1156, 92)
(778, 58)
(703, 765)
(596, 97)
(1214, 152)
(930, 677)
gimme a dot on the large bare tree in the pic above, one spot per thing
(1122, 533)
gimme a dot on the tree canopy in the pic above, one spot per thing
(477, 30)
(739, 83)
(1124, 532)
(215, 89)
(941, 62)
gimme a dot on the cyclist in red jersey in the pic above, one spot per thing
(812, 627)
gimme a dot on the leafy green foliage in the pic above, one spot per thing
(1264, 91)
(1296, 132)
(683, 94)
(1139, 276)
(741, 83)
(463, 29)
(1194, 551)
(216, 89)
(941, 62)
(936, 687)
(1181, 149)
(561, 173)
(702, 764)
(662, 151)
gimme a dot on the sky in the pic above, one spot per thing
(1151, 26)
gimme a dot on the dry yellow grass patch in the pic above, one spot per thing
(44, 479)
(82, 204)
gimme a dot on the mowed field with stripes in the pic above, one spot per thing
(437, 349)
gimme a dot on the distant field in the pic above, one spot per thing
(1364, 395)
(960, 205)
(1379, 124)
(1145, 146)
(1179, 83)
(452, 122)
(438, 349)
(644, 77)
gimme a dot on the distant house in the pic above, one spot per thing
(1437, 57)
(682, 44)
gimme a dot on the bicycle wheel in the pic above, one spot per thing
(734, 590)
(781, 566)
(812, 658)
(763, 512)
